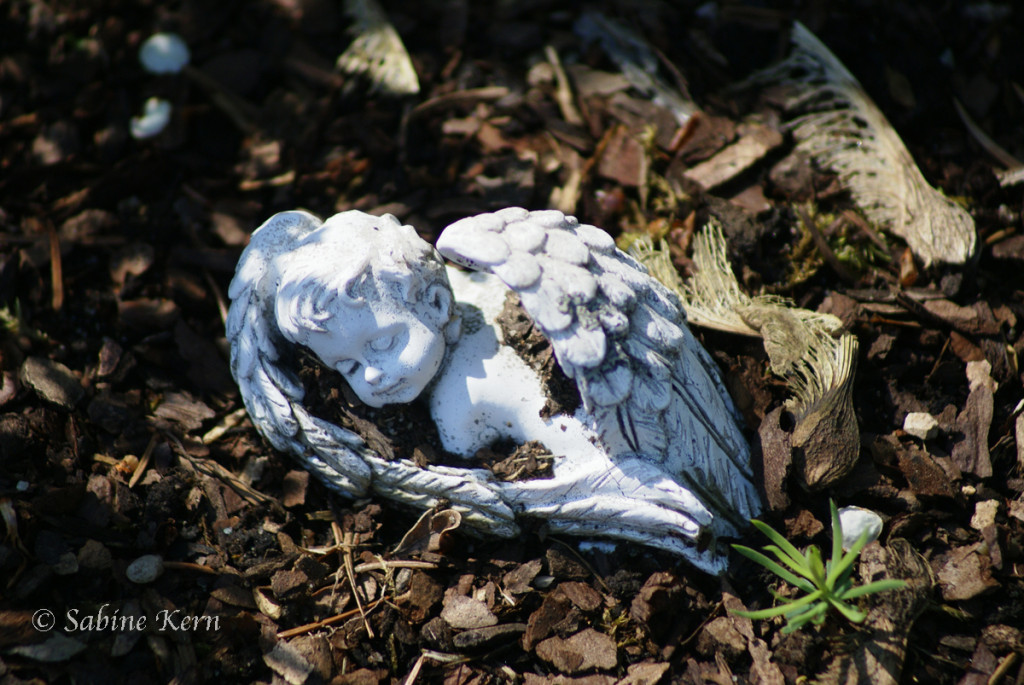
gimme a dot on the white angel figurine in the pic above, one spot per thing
(654, 455)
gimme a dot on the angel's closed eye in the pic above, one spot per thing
(382, 343)
(347, 367)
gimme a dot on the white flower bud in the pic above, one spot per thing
(155, 116)
(164, 53)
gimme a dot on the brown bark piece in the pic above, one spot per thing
(518, 580)
(736, 158)
(777, 456)
(624, 159)
(543, 621)
(585, 651)
(965, 574)
(294, 488)
(971, 454)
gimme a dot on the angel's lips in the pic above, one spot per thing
(391, 390)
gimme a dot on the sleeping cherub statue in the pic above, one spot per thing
(653, 454)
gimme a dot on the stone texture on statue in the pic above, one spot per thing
(654, 455)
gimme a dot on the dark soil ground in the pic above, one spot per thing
(121, 430)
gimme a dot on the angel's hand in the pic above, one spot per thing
(630, 499)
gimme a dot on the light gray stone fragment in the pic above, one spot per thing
(52, 381)
(921, 425)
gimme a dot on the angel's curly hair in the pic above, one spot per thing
(354, 259)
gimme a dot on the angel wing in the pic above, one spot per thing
(652, 392)
(273, 395)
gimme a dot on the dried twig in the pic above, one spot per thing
(226, 424)
(211, 468)
(840, 127)
(56, 268)
(329, 621)
(563, 94)
(143, 462)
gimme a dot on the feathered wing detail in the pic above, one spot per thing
(273, 396)
(839, 126)
(652, 392)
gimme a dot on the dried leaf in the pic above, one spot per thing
(801, 347)
(287, 662)
(842, 129)
(378, 51)
(428, 533)
(584, 651)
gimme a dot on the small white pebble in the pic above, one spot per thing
(855, 521)
(921, 425)
(543, 582)
(156, 114)
(21, 486)
(228, 531)
(145, 569)
(164, 53)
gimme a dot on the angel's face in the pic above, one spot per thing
(388, 355)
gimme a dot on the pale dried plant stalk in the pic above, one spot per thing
(843, 130)
(807, 349)
(378, 51)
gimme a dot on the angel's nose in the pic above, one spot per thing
(372, 375)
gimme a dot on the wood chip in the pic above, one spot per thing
(965, 573)
(288, 663)
(972, 454)
(584, 651)
(624, 159)
(736, 158)
(293, 488)
(463, 612)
